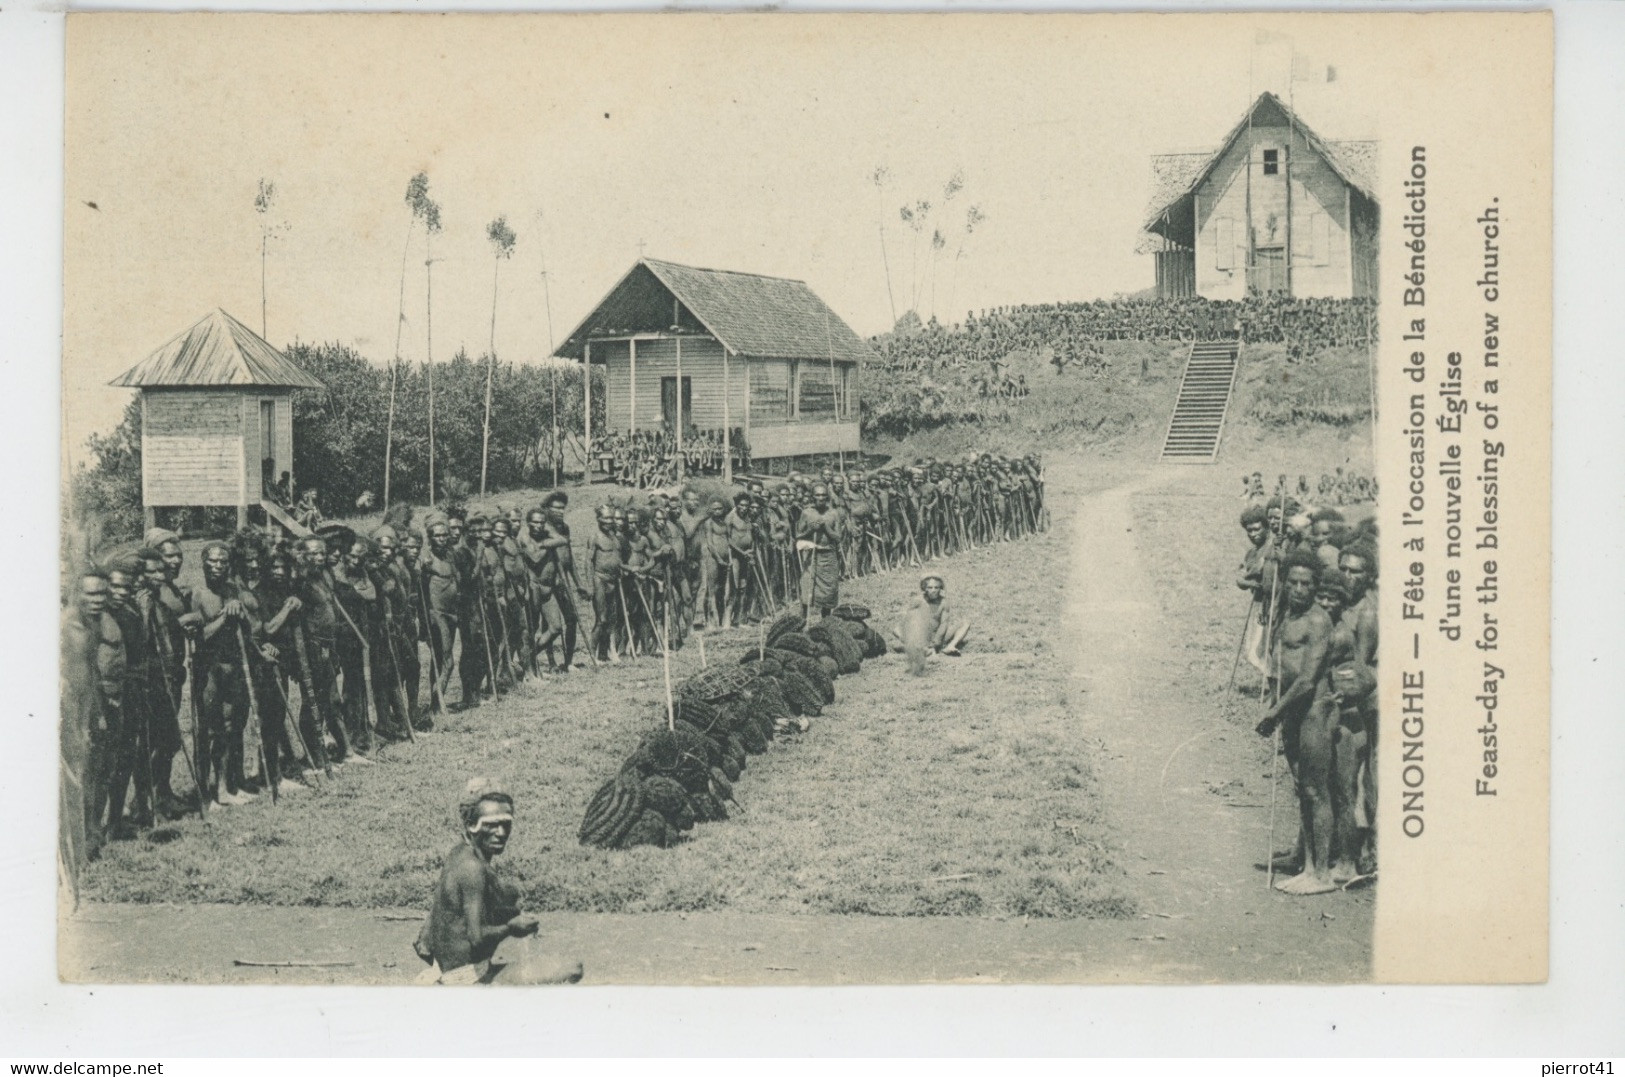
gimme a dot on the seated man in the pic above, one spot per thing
(306, 512)
(474, 912)
(928, 626)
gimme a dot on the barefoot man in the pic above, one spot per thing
(1346, 684)
(1299, 658)
(473, 912)
(1358, 563)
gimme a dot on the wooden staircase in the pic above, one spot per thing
(1197, 423)
(277, 515)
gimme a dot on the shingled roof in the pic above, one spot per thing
(218, 350)
(1175, 176)
(750, 314)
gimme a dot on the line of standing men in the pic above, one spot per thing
(682, 562)
(337, 615)
(340, 617)
(1312, 632)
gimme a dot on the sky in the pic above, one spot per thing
(737, 142)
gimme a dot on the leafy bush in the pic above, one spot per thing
(107, 491)
(339, 434)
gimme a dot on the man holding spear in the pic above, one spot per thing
(224, 712)
(569, 588)
(356, 603)
(1258, 558)
(270, 587)
(1301, 646)
(491, 602)
(472, 659)
(416, 553)
(400, 630)
(167, 676)
(520, 616)
(691, 519)
(315, 635)
(604, 564)
(123, 661)
(742, 575)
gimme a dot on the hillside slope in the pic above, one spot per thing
(1310, 415)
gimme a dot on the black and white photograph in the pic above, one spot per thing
(781, 500)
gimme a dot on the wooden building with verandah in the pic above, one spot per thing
(761, 356)
(1276, 209)
(216, 419)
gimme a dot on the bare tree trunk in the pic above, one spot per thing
(394, 370)
(553, 374)
(490, 373)
(885, 262)
(428, 355)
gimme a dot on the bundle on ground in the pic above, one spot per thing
(845, 652)
(626, 807)
(682, 771)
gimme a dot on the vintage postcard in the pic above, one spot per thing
(798, 499)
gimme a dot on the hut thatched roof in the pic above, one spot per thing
(218, 350)
(750, 314)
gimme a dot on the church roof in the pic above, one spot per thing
(1175, 176)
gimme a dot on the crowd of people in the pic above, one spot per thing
(651, 458)
(1336, 488)
(1311, 632)
(297, 657)
(1305, 326)
(682, 560)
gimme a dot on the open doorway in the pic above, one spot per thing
(668, 403)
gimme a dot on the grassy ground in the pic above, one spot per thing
(965, 793)
(1282, 415)
(1105, 414)
(969, 793)
(1072, 805)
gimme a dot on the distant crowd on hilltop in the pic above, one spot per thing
(1074, 330)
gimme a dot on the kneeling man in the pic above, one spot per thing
(473, 912)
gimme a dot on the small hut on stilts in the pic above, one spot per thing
(216, 420)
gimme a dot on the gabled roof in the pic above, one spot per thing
(767, 317)
(1176, 176)
(218, 350)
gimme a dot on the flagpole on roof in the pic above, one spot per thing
(1291, 136)
(1247, 190)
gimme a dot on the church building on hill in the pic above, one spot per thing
(1275, 209)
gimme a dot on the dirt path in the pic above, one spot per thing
(1162, 753)
(1190, 853)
